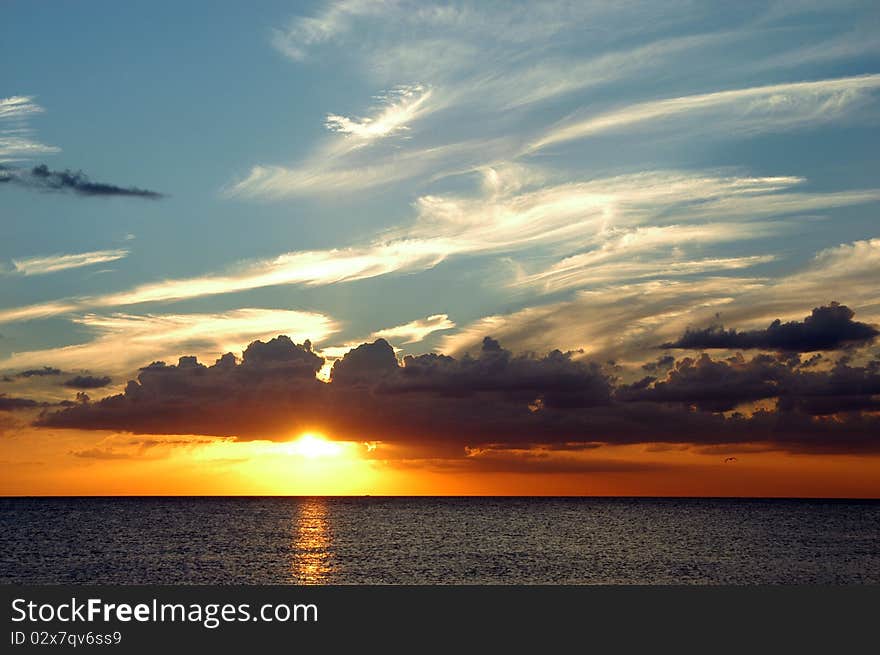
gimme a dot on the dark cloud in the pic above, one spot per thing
(88, 382)
(722, 385)
(663, 363)
(42, 178)
(365, 364)
(437, 403)
(827, 328)
(8, 404)
(38, 372)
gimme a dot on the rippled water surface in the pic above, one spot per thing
(438, 540)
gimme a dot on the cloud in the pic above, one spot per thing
(18, 107)
(629, 320)
(61, 262)
(662, 363)
(490, 66)
(122, 342)
(43, 179)
(752, 109)
(520, 208)
(495, 400)
(415, 331)
(827, 328)
(468, 93)
(643, 252)
(723, 385)
(8, 404)
(609, 322)
(303, 32)
(88, 382)
(401, 106)
(16, 137)
(344, 167)
(38, 372)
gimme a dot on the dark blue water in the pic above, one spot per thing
(438, 540)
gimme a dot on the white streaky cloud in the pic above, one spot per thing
(124, 342)
(312, 268)
(339, 167)
(16, 142)
(512, 212)
(39, 310)
(305, 31)
(308, 268)
(858, 43)
(569, 275)
(518, 208)
(554, 78)
(401, 106)
(607, 322)
(344, 167)
(18, 148)
(631, 320)
(755, 108)
(780, 204)
(487, 66)
(415, 331)
(18, 107)
(651, 251)
(60, 262)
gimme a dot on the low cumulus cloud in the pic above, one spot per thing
(88, 382)
(827, 328)
(8, 404)
(494, 398)
(42, 178)
(38, 372)
(722, 385)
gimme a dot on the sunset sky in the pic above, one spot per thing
(612, 248)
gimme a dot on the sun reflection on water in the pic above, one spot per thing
(311, 543)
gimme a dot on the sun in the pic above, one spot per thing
(313, 445)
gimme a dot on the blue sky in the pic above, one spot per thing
(593, 176)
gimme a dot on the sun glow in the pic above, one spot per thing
(313, 445)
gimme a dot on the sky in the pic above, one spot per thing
(461, 248)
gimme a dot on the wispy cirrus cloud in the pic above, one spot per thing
(16, 137)
(517, 208)
(346, 169)
(415, 331)
(123, 342)
(303, 32)
(42, 265)
(632, 320)
(18, 107)
(776, 106)
(400, 107)
(488, 65)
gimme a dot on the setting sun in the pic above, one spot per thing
(314, 445)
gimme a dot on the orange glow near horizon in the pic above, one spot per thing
(70, 462)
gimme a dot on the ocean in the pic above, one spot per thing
(425, 540)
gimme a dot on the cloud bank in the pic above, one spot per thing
(495, 399)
